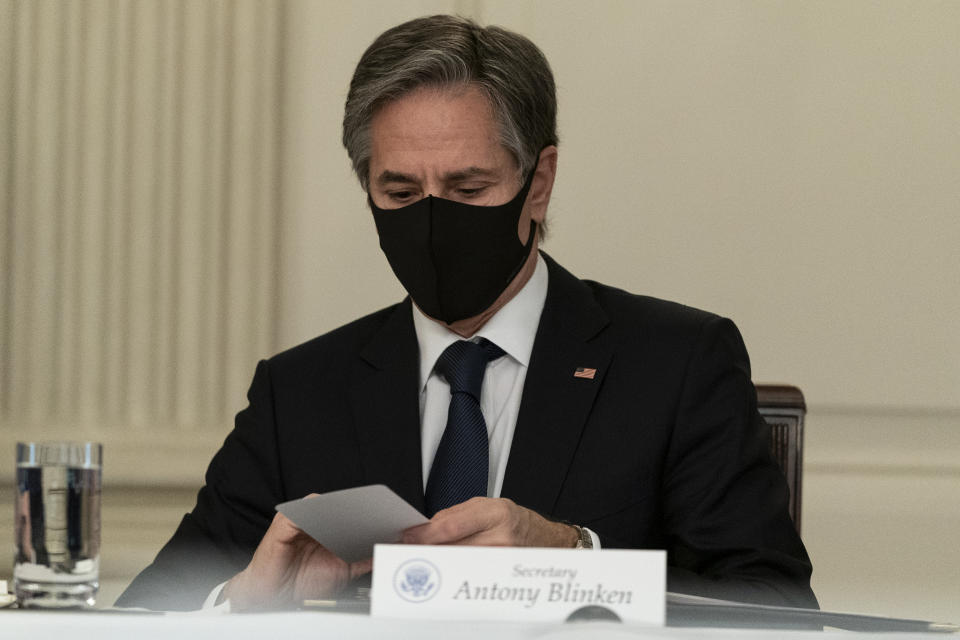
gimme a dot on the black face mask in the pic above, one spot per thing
(454, 259)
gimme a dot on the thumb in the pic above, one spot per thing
(361, 568)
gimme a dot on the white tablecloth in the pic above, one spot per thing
(93, 625)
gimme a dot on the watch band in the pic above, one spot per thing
(584, 539)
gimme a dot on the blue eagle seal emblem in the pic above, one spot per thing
(416, 580)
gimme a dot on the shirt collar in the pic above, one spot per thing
(512, 328)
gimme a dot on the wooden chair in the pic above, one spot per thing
(783, 407)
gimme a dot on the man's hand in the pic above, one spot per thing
(288, 567)
(492, 522)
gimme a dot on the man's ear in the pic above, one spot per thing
(539, 197)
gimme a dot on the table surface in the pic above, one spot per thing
(101, 624)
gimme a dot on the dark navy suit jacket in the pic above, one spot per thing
(662, 449)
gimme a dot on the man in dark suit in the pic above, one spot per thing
(511, 402)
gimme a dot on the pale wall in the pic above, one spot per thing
(791, 165)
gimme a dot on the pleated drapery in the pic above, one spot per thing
(139, 193)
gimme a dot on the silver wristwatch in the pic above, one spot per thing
(584, 539)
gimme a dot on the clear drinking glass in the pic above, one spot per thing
(57, 526)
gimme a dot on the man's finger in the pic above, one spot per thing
(458, 522)
(360, 568)
(284, 529)
(443, 530)
(496, 537)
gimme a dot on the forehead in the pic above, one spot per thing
(437, 129)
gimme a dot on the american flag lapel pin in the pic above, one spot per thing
(584, 372)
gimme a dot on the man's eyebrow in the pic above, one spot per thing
(470, 172)
(388, 177)
(394, 177)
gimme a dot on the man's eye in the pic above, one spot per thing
(470, 193)
(400, 196)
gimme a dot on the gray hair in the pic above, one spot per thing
(448, 51)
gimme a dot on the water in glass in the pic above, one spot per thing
(57, 527)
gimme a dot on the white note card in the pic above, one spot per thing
(513, 583)
(349, 522)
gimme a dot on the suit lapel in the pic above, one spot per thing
(386, 402)
(555, 403)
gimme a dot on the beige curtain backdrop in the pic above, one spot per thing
(140, 197)
(176, 204)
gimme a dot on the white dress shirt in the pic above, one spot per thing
(513, 329)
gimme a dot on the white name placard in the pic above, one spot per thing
(513, 583)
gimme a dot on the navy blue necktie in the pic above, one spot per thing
(459, 470)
